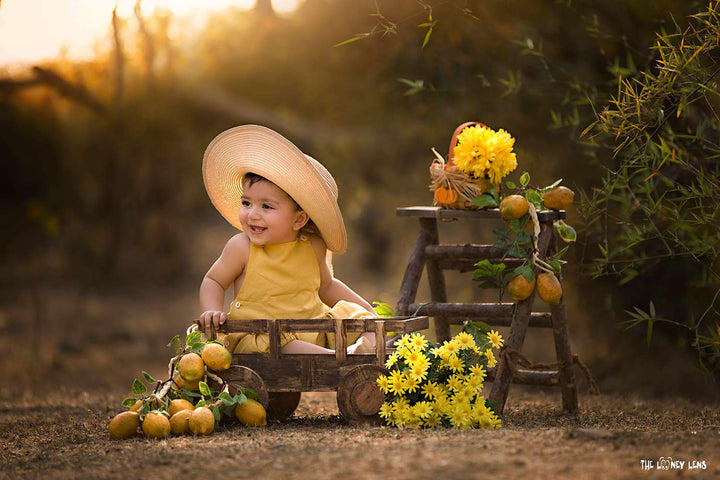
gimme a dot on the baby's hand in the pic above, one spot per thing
(211, 317)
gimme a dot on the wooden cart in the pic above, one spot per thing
(279, 378)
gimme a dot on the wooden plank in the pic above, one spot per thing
(537, 320)
(340, 340)
(531, 377)
(455, 251)
(465, 309)
(274, 338)
(493, 213)
(436, 279)
(380, 339)
(469, 265)
(564, 355)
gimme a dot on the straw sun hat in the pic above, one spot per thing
(259, 150)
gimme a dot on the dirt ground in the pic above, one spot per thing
(68, 360)
(64, 435)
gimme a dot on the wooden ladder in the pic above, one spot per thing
(431, 256)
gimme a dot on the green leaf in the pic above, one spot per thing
(240, 398)
(427, 37)
(566, 232)
(250, 393)
(138, 388)
(649, 330)
(526, 271)
(193, 338)
(510, 185)
(383, 309)
(216, 414)
(204, 389)
(484, 200)
(534, 197)
(416, 86)
(226, 398)
(175, 344)
(354, 38)
(525, 179)
(148, 377)
(129, 402)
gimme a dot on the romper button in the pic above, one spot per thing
(237, 304)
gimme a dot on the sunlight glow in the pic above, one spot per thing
(33, 30)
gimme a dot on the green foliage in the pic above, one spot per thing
(658, 200)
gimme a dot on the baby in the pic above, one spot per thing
(285, 204)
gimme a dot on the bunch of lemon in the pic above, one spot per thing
(516, 207)
(159, 415)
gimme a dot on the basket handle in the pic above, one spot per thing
(453, 140)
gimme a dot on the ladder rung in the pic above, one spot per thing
(537, 320)
(531, 377)
(467, 251)
(463, 309)
(464, 265)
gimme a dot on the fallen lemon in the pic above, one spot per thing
(191, 367)
(124, 425)
(179, 404)
(559, 198)
(216, 357)
(180, 422)
(202, 421)
(156, 425)
(519, 288)
(549, 288)
(513, 207)
(251, 413)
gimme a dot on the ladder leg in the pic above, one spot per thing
(436, 278)
(413, 272)
(564, 356)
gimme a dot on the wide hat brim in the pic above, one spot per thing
(257, 149)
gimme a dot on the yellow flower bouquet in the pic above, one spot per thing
(478, 159)
(439, 385)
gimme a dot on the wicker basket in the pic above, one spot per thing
(451, 187)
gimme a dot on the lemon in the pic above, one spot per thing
(519, 288)
(156, 425)
(180, 422)
(549, 288)
(202, 421)
(191, 367)
(251, 413)
(179, 404)
(513, 207)
(181, 383)
(559, 198)
(124, 425)
(216, 357)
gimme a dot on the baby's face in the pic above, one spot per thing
(268, 215)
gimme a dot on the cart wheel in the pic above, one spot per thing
(281, 405)
(238, 377)
(358, 396)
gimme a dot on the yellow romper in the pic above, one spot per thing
(282, 281)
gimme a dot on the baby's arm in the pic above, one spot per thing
(218, 279)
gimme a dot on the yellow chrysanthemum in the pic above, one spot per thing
(491, 358)
(419, 372)
(430, 390)
(412, 356)
(459, 417)
(495, 339)
(382, 382)
(481, 151)
(402, 341)
(475, 383)
(417, 340)
(450, 347)
(455, 363)
(386, 411)
(464, 340)
(392, 360)
(455, 383)
(422, 409)
(432, 420)
(478, 371)
(410, 384)
(396, 383)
